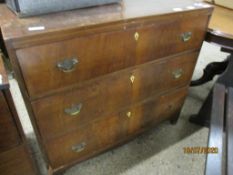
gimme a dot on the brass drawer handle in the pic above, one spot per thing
(186, 36)
(74, 110)
(67, 65)
(177, 73)
(79, 148)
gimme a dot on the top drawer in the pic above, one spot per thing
(57, 65)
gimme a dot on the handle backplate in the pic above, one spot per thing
(177, 73)
(186, 36)
(79, 148)
(67, 65)
(74, 110)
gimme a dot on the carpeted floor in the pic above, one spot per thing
(157, 152)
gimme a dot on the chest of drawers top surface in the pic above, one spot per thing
(126, 12)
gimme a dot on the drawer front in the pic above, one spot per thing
(54, 66)
(9, 136)
(103, 134)
(146, 115)
(57, 115)
(16, 162)
(169, 37)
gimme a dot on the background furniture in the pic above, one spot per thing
(216, 111)
(220, 32)
(221, 132)
(224, 3)
(25, 8)
(95, 78)
(15, 158)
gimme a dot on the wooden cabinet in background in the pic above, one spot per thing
(15, 157)
(8, 130)
(95, 78)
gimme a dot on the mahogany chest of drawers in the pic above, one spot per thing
(15, 158)
(95, 78)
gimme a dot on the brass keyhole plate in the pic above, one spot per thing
(136, 36)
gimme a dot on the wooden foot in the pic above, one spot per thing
(174, 119)
(50, 171)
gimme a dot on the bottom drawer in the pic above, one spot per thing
(16, 162)
(107, 132)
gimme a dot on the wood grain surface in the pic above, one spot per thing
(16, 161)
(118, 127)
(116, 91)
(125, 12)
(9, 136)
(104, 53)
(222, 21)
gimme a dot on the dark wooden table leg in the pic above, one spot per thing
(212, 69)
(229, 132)
(203, 117)
(227, 77)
